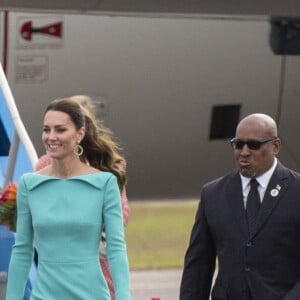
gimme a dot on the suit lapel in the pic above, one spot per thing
(234, 196)
(276, 189)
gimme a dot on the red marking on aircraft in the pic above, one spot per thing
(52, 29)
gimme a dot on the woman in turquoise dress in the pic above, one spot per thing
(63, 208)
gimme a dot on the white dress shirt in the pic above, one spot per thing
(263, 181)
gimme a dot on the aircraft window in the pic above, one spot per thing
(224, 120)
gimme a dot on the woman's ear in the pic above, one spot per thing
(81, 133)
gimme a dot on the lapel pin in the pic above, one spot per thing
(278, 187)
(274, 192)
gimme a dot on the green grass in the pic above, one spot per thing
(158, 233)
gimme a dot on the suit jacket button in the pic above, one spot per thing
(247, 269)
(249, 244)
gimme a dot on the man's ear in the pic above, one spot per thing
(277, 145)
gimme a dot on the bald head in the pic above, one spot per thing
(262, 121)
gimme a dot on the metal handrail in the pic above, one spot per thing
(20, 131)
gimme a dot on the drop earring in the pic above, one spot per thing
(78, 149)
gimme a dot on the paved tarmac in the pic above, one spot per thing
(162, 284)
(158, 284)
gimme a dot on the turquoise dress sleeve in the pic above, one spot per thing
(116, 247)
(22, 254)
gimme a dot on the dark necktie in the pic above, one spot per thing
(252, 205)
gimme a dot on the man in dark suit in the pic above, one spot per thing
(253, 231)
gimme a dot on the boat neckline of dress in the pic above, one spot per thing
(71, 177)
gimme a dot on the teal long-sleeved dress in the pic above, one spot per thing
(64, 218)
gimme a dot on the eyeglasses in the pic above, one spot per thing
(251, 144)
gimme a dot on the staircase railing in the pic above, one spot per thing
(20, 134)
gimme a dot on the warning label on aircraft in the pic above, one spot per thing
(39, 32)
(31, 68)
